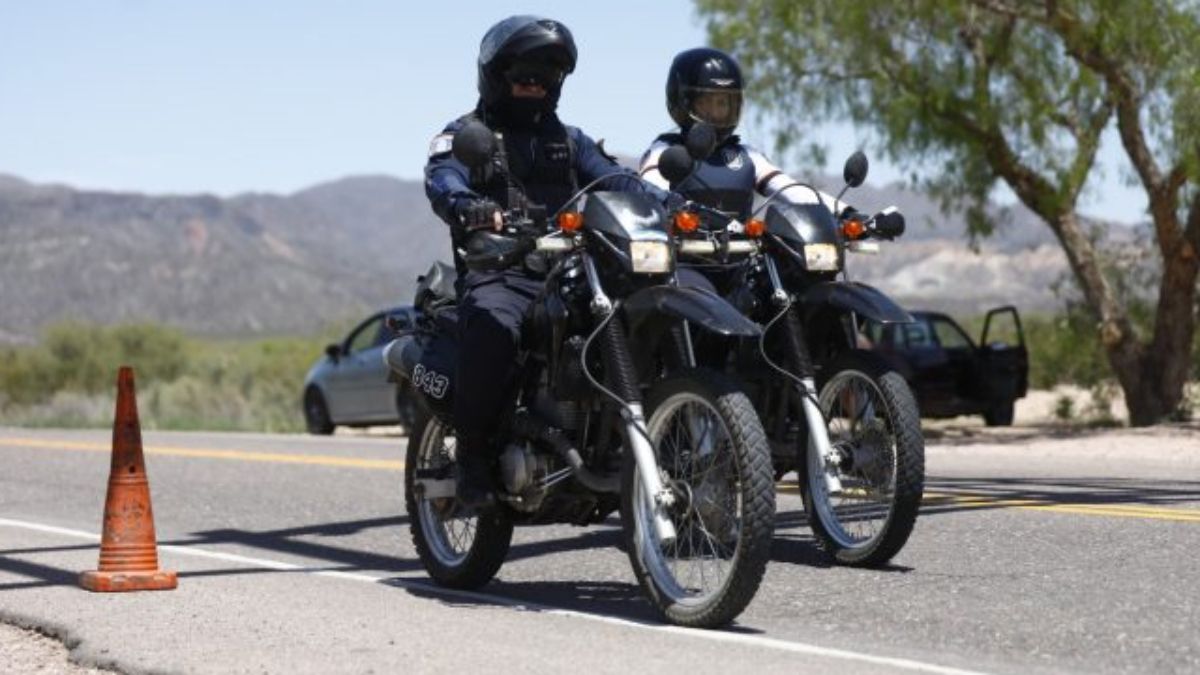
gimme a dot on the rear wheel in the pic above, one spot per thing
(406, 407)
(458, 550)
(713, 454)
(316, 413)
(875, 430)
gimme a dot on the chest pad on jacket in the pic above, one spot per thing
(543, 162)
(725, 179)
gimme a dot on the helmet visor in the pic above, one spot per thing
(545, 75)
(719, 107)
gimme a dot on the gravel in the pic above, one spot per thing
(30, 652)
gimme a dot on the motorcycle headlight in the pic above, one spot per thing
(650, 257)
(821, 257)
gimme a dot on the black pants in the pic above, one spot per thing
(492, 306)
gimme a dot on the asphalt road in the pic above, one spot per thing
(1033, 554)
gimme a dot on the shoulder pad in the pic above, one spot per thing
(443, 142)
(604, 153)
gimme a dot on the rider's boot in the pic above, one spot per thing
(473, 484)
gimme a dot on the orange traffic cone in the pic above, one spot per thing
(128, 550)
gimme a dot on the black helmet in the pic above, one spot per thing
(705, 85)
(524, 49)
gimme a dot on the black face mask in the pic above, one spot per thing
(521, 113)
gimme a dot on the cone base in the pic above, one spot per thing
(115, 582)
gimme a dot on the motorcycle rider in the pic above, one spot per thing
(523, 61)
(705, 85)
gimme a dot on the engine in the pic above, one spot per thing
(521, 469)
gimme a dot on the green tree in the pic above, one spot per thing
(1018, 91)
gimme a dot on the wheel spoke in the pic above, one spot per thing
(450, 538)
(695, 449)
(862, 430)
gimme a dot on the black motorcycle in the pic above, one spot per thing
(608, 412)
(837, 414)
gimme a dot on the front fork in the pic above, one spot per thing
(622, 379)
(818, 431)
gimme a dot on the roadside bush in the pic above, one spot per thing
(68, 379)
(79, 357)
(1064, 349)
(1064, 408)
(1099, 411)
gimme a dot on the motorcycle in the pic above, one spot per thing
(607, 414)
(838, 415)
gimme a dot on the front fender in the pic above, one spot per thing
(700, 307)
(863, 300)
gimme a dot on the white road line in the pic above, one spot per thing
(714, 635)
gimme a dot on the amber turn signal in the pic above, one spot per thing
(755, 228)
(686, 221)
(570, 221)
(854, 229)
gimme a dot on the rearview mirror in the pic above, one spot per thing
(675, 164)
(855, 171)
(474, 145)
(700, 141)
(333, 351)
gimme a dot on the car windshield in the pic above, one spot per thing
(917, 335)
(950, 336)
(365, 336)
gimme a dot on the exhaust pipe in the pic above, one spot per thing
(526, 425)
(401, 356)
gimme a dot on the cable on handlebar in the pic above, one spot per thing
(589, 186)
(762, 349)
(815, 191)
(604, 390)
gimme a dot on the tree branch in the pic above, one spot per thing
(1128, 97)
(1087, 139)
(1161, 191)
(1007, 9)
(1177, 177)
(1192, 233)
(1033, 189)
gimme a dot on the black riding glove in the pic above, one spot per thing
(889, 223)
(477, 214)
(675, 202)
(851, 213)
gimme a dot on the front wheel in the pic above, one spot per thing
(458, 550)
(875, 430)
(712, 453)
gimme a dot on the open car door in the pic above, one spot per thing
(1003, 358)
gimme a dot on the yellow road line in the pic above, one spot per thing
(968, 500)
(209, 453)
(979, 500)
(1177, 515)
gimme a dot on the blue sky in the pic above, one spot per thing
(225, 97)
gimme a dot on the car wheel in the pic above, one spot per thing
(316, 413)
(1000, 414)
(406, 407)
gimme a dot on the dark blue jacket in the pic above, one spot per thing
(551, 161)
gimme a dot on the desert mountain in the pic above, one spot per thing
(251, 264)
(277, 264)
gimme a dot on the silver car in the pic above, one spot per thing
(350, 385)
